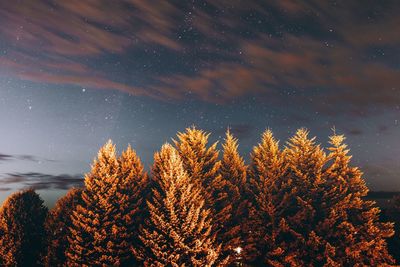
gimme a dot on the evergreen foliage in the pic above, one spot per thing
(227, 194)
(22, 232)
(266, 192)
(312, 211)
(200, 161)
(104, 227)
(393, 214)
(179, 230)
(299, 205)
(57, 226)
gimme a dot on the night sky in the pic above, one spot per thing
(75, 73)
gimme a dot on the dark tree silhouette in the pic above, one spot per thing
(22, 232)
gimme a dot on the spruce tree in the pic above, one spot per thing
(393, 214)
(227, 192)
(22, 232)
(308, 208)
(104, 226)
(304, 206)
(351, 225)
(57, 225)
(267, 191)
(179, 230)
(200, 161)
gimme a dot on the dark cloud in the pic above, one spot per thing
(222, 50)
(9, 157)
(42, 181)
(240, 131)
(5, 157)
(354, 131)
(5, 189)
(378, 175)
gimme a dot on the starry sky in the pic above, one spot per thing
(75, 73)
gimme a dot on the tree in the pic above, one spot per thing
(351, 224)
(200, 162)
(179, 230)
(308, 208)
(393, 214)
(57, 225)
(227, 193)
(267, 192)
(104, 226)
(22, 231)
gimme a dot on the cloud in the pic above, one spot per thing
(9, 157)
(241, 131)
(216, 51)
(5, 189)
(5, 157)
(41, 181)
(354, 131)
(86, 28)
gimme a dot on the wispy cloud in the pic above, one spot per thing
(10, 157)
(40, 181)
(241, 131)
(225, 49)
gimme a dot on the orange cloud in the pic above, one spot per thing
(54, 42)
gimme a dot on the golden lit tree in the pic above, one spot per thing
(22, 232)
(266, 179)
(179, 230)
(227, 191)
(57, 225)
(104, 226)
(200, 161)
(308, 207)
(350, 223)
(304, 207)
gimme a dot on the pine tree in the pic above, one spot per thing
(227, 192)
(266, 193)
(393, 214)
(200, 162)
(134, 190)
(22, 231)
(178, 232)
(104, 227)
(304, 207)
(57, 225)
(308, 207)
(351, 224)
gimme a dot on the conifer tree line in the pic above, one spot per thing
(296, 204)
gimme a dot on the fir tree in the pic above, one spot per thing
(178, 232)
(200, 162)
(393, 214)
(304, 206)
(308, 207)
(57, 225)
(266, 193)
(22, 232)
(227, 192)
(104, 226)
(351, 225)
